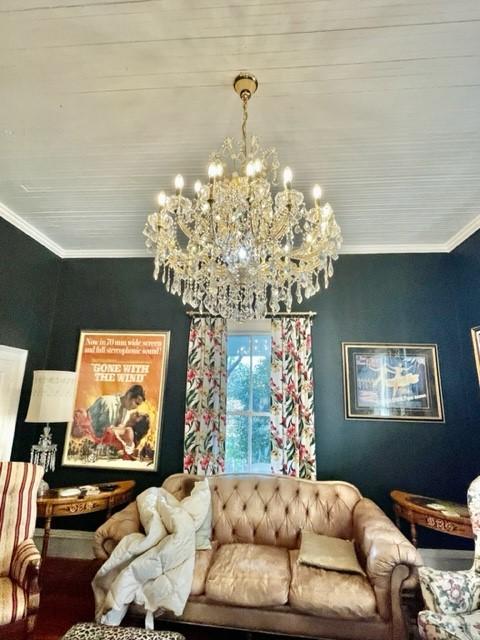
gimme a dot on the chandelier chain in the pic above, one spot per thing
(245, 98)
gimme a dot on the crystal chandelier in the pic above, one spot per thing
(238, 249)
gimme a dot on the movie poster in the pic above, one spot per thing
(117, 416)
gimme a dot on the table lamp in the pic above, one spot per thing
(51, 400)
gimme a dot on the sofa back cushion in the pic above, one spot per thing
(273, 510)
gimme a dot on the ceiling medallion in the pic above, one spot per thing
(238, 249)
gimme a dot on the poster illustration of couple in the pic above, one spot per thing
(392, 382)
(116, 422)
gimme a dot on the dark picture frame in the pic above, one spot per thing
(475, 332)
(388, 381)
(117, 415)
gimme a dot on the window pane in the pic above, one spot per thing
(261, 373)
(261, 346)
(236, 446)
(260, 444)
(238, 373)
(238, 346)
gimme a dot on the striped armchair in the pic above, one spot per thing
(19, 557)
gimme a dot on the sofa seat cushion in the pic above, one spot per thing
(249, 575)
(203, 559)
(330, 594)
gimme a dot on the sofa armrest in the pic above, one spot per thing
(114, 529)
(382, 547)
(25, 567)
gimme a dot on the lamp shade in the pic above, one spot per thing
(52, 397)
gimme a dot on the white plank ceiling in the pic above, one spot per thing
(104, 101)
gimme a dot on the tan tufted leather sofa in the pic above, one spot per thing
(251, 578)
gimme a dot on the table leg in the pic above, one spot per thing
(109, 509)
(397, 516)
(46, 536)
(413, 534)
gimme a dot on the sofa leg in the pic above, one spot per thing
(399, 623)
(248, 635)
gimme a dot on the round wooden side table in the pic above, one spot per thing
(51, 504)
(434, 513)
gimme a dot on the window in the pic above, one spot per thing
(247, 446)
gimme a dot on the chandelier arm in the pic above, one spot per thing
(185, 229)
(299, 254)
(279, 230)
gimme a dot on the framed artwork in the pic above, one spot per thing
(117, 416)
(392, 382)
(476, 348)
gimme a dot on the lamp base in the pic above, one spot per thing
(42, 488)
(45, 451)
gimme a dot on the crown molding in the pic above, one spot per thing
(350, 249)
(465, 232)
(30, 230)
(105, 253)
(354, 249)
(345, 250)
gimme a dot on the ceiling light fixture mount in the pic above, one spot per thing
(237, 249)
(245, 84)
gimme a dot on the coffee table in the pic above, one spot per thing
(434, 513)
(51, 504)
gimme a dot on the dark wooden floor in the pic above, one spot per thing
(66, 596)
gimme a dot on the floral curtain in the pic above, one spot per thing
(292, 426)
(205, 405)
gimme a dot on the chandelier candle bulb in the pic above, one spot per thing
(179, 184)
(243, 247)
(250, 170)
(287, 178)
(212, 171)
(162, 199)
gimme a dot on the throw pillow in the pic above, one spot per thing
(326, 552)
(449, 592)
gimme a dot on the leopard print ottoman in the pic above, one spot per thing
(92, 631)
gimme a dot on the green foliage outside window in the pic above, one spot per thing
(248, 404)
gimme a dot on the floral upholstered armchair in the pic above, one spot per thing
(453, 597)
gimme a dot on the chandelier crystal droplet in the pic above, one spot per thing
(238, 249)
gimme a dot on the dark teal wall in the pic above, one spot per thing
(28, 285)
(121, 294)
(467, 285)
(391, 298)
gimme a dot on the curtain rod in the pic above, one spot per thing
(292, 314)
